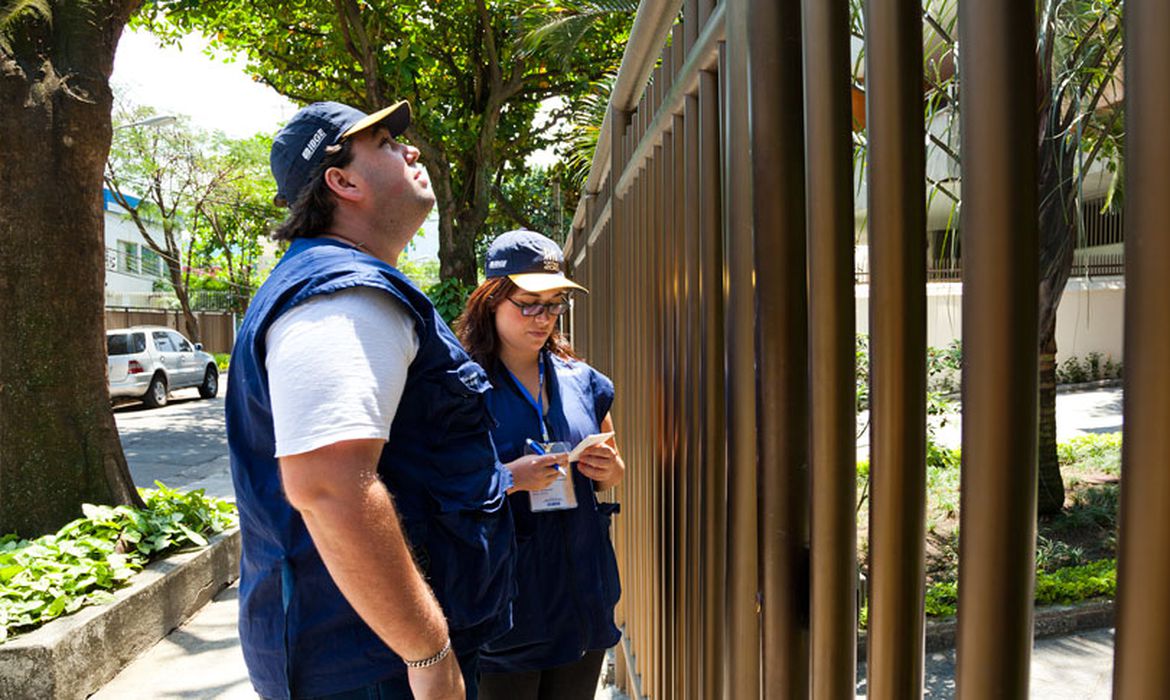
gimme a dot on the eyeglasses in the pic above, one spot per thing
(556, 308)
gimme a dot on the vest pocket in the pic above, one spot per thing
(459, 406)
(611, 586)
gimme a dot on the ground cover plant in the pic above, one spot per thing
(89, 558)
(1075, 550)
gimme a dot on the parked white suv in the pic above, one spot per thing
(147, 362)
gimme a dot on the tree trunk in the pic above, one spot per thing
(457, 252)
(183, 295)
(1051, 484)
(1057, 241)
(59, 445)
(457, 233)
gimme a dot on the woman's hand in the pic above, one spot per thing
(534, 472)
(602, 463)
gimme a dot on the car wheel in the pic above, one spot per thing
(210, 386)
(156, 395)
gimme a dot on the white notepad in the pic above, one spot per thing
(586, 443)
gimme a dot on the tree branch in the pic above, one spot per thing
(511, 209)
(490, 44)
(350, 18)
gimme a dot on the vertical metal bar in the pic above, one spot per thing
(1143, 614)
(706, 7)
(691, 25)
(681, 390)
(897, 234)
(668, 256)
(692, 428)
(712, 385)
(657, 255)
(1000, 348)
(833, 459)
(777, 158)
(742, 679)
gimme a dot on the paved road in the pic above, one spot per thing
(182, 444)
(1077, 413)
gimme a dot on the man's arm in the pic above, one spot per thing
(354, 525)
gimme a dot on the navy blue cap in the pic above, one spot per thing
(532, 261)
(300, 146)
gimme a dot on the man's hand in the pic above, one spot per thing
(534, 472)
(443, 681)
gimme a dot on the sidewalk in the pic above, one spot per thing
(202, 660)
(1076, 667)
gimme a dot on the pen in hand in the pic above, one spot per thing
(537, 449)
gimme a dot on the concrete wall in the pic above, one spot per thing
(1089, 318)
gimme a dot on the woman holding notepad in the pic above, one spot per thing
(546, 401)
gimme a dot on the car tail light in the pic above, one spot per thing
(134, 367)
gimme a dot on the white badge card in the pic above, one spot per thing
(559, 495)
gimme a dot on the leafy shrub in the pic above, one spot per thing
(940, 457)
(449, 297)
(1094, 506)
(943, 372)
(944, 367)
(1093, 367)
(85, 560)
(1076, 583)
(222, 360)
(1054, 554)
(1071, 372)
(1065, 586)
(942, 599)
(861, 358)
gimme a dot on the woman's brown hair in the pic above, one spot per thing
(476, 326)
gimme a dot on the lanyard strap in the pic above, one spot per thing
(537, 403)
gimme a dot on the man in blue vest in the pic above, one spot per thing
(377, 544)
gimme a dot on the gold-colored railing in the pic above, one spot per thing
(716, 235)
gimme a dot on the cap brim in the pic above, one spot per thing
(396, 117)
(542, 282)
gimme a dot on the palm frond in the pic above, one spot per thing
(560, 31)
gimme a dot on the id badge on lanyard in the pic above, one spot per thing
(560, 495)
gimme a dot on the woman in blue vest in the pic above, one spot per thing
(546, 399)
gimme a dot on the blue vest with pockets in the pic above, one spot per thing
(300, 637)
(566, 572)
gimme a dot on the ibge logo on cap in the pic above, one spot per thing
(551, 264)
(314, 142)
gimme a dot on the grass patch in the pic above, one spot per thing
(1091, 454)
(86, 560)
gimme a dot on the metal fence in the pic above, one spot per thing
(716, 235)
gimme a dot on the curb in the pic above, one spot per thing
(1088, 386)
(73, 656)
(1049, 621)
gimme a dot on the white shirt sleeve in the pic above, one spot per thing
(337, 367)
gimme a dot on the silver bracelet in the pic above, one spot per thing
(431, 661)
